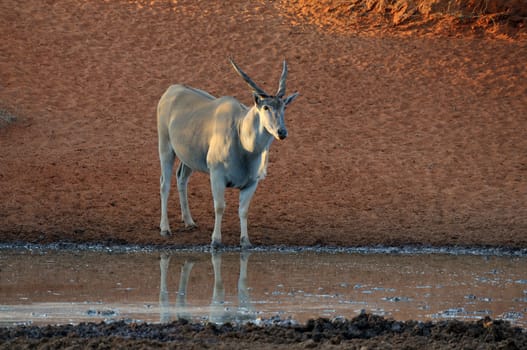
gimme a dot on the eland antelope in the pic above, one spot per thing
(221, 137)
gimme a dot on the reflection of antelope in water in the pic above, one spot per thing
(218, 312)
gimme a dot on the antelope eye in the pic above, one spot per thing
(265, 108)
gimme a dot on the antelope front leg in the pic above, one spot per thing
(217, 182)
(245, 199)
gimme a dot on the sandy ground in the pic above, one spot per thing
(396, 139)
(414, 137)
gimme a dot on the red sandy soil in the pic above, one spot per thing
(407, 131)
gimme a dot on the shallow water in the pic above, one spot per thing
(57, 286)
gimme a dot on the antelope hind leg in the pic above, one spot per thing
(167, 158)
(183, 174)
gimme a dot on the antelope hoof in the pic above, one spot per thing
(166, 233)
(191, 227)
(245, 243)
(215, 245)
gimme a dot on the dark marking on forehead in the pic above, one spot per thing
(274, 102)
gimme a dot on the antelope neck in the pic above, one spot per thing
(253, 136)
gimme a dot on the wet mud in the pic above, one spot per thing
(364, 331)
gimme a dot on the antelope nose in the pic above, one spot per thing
(282, 134)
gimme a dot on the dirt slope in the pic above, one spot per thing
(462, 18)
(397, 138)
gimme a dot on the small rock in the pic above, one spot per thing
(310, 344)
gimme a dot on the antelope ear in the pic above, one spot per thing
(290, 98)
(258, 98)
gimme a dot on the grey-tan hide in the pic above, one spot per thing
(222, 137)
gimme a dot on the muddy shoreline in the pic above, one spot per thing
(378, 249)
(364, 330)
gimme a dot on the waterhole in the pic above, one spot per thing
(39, 286)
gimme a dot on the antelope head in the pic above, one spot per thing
(271, 108)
